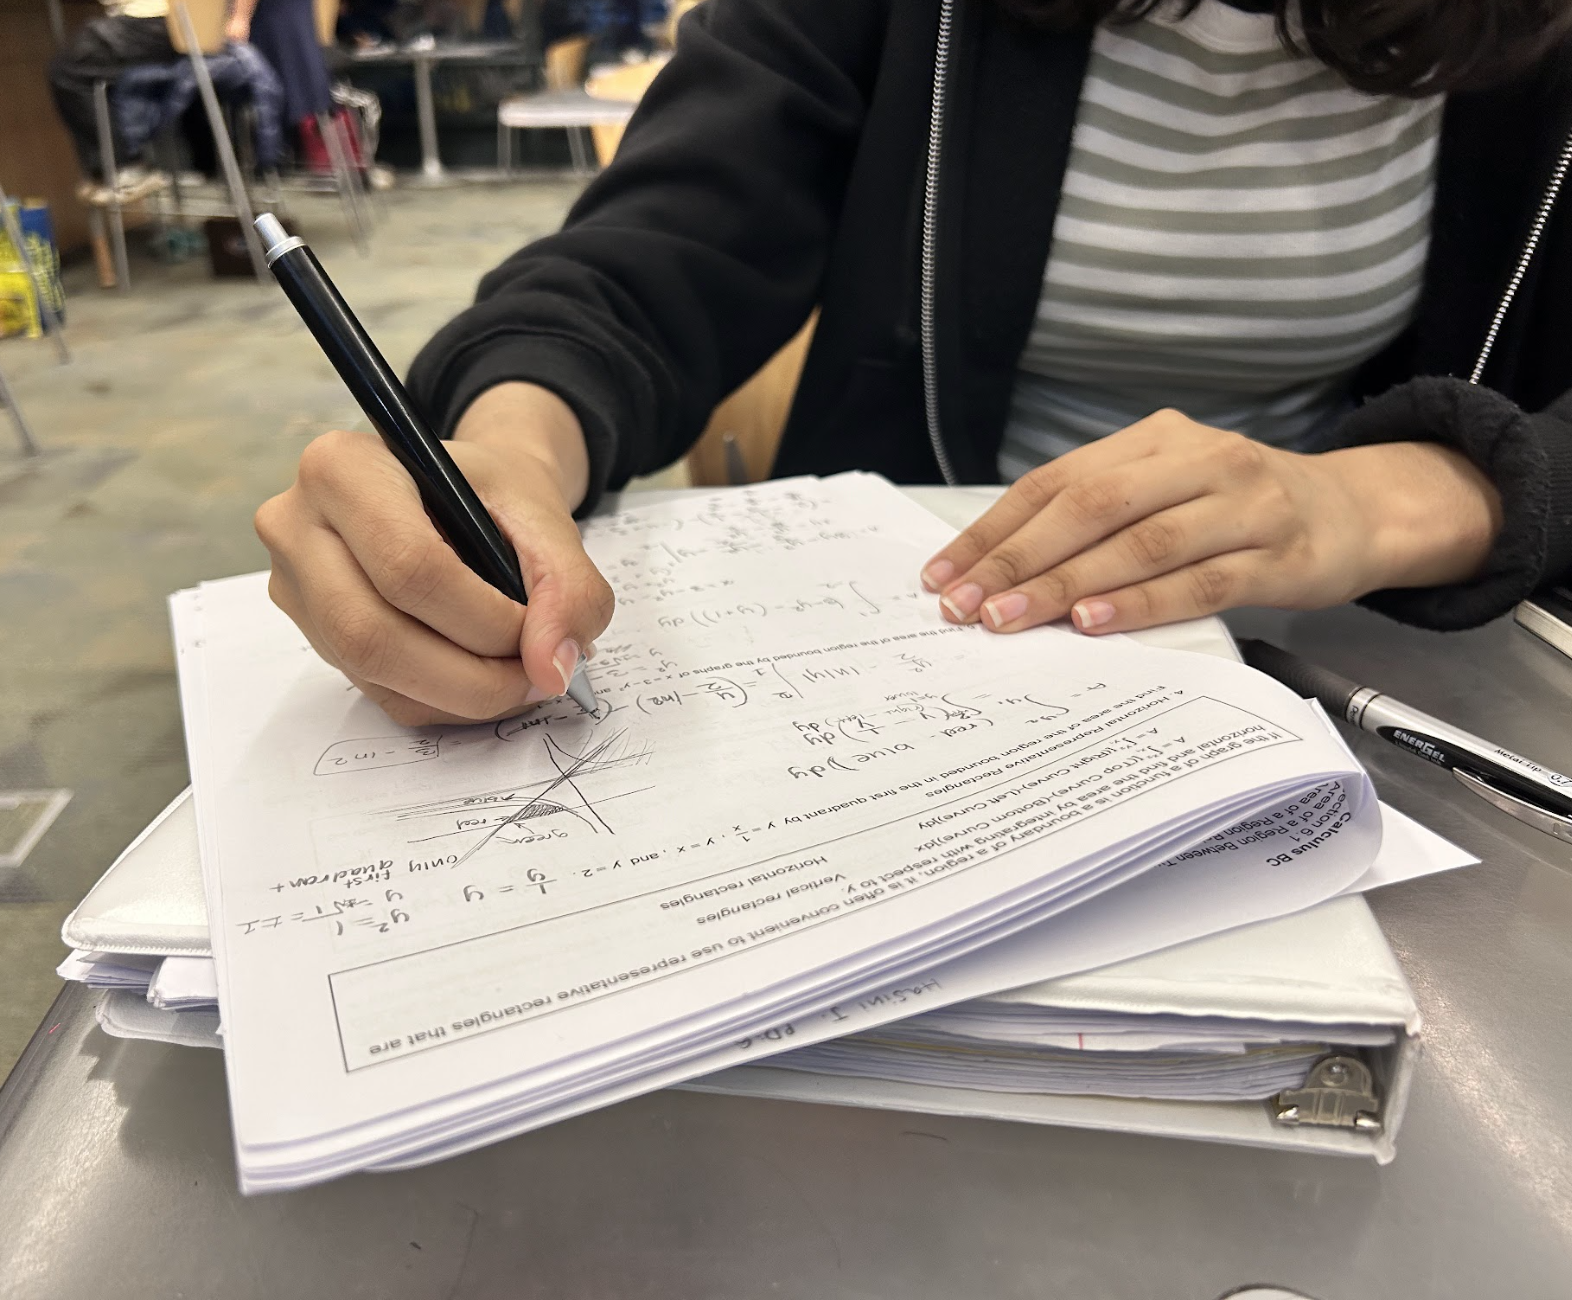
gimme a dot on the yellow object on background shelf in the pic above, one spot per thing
(18, 304)
(19, 307)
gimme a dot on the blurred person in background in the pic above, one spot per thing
(130, 32)
(617, 29)
(285, 34)
(151, 85)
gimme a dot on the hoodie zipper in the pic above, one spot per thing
(1541, 219)
(930, 241)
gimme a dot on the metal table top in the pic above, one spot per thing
(443, 51)
(425, 56)
(116, 1175)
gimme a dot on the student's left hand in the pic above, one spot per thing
(1170, 519)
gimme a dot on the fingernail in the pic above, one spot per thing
(1092, 613)
(963, 601)
(536, 695)
(590, 651)
(937, 574)
(1005, 609)
(566, 659)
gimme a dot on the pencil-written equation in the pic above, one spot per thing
(649, 680)
(663, 558)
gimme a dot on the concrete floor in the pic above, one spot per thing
(187, 402)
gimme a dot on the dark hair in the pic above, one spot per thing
(1394, 47)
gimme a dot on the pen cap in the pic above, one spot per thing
(273, 236)
(1306, 679)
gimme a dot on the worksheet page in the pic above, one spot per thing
(800, 781)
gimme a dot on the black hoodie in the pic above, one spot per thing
(781, 162)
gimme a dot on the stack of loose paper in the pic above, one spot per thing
(1093, 1040)
(110, 970)
(801, 788)
(1094, 1046)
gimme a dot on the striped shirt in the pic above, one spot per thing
(1238, 231)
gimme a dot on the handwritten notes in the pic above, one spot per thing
(801, 789)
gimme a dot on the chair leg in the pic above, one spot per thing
(355, 147)
(23, 433)
(106, 151)
(103, 259)
(117, 242)
(170, 151)
(334, 143)
(242, 128)
(579, 152)
(225, 146)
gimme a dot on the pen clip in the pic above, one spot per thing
(1535, 816)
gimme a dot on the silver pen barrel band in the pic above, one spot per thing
(1354, 711)
(276, 241)
(278, 250)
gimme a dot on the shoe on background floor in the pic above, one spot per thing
(134, 182)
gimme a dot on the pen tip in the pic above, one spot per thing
(579, 690)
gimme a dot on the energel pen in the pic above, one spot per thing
(447, 495)
(1531, 793)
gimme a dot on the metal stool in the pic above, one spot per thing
(574, 110)
(337, 138)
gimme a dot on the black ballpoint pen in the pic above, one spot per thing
(447, 495)
(1529, 792)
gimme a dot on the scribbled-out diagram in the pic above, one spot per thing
(580, 795)
(570, 793)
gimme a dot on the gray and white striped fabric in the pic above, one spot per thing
(1238, 231)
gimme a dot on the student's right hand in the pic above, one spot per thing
(362, 570)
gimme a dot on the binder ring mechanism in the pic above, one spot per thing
(1339, 1092)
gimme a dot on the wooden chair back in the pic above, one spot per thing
(208, 18)
(326, 14)
(627, 81)
(753, 418)
(678, 8)
(566, 62)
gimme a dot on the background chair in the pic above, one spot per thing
(564, 104)
(623, 83)
(738, 444)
